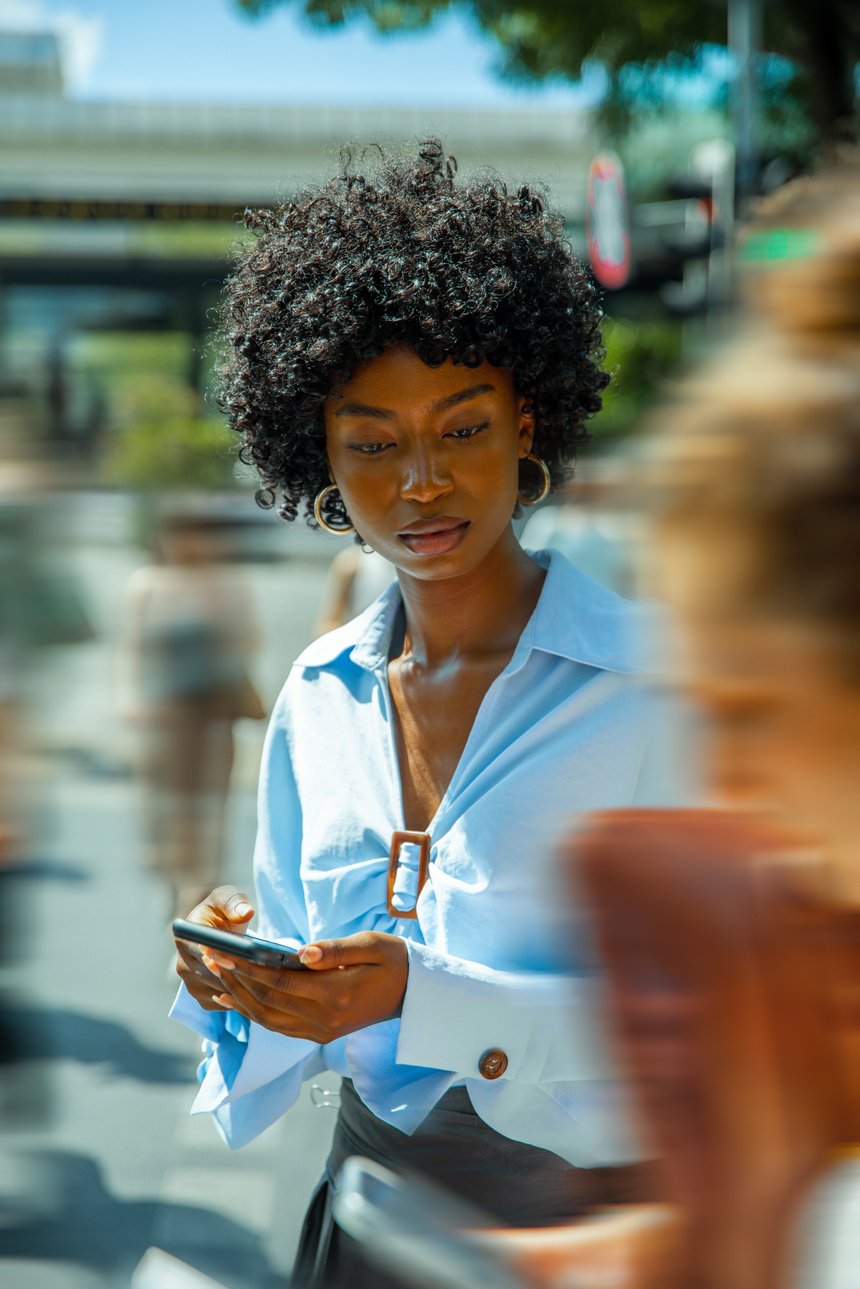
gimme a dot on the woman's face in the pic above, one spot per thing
(426, 459)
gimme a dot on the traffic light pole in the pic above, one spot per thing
(744, 38)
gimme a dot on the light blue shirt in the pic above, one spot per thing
(498, 956)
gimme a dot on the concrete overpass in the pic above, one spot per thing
(107, 191)
(120, 215)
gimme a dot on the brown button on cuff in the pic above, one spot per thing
(493, 1063)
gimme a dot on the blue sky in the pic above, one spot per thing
(203, 50)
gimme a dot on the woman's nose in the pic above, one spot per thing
(426, 477)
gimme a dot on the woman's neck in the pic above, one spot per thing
(481, 612)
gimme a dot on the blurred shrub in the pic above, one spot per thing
(146, 397)
(163, 440)
(639, 357)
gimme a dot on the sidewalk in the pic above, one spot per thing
(107, 1161)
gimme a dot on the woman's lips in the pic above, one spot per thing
(437, 540)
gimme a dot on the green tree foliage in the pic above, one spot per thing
(642, 44)
(639, 356)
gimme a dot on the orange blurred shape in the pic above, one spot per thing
(735, 989)
(632, 1246)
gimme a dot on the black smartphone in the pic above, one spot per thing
(250, 947)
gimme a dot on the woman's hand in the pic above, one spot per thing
(352, 982)
(227, 908)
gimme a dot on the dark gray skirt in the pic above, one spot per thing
(513, 1183)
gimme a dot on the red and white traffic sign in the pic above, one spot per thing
(607, 221)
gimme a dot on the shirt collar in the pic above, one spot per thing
(575, 618)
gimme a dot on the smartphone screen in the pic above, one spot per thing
(247, 946)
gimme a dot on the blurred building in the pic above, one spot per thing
(116, 217)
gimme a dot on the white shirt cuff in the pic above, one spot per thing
(546, 1026)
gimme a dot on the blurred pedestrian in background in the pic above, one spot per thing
(42, 607)
(356, 577)
(593, 526)
(188, 636)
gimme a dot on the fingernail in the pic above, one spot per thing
(227, 964)
(223, 1000)
(241, 909)
(211, 966)
(310, 953)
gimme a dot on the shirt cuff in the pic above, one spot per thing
(249, 1075)
(209, 1025)
(455, 1013)
(398, 1094)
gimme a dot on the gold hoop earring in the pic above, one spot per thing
(547, 482)
(318, 514)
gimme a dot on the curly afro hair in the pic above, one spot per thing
(402, 255)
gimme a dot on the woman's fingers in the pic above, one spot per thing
(356, 981)
(227, 907)
(234, 903)
(352, 950)
(190, 960)
(215, 961)
(299, 1017)
(198, 980)
(282, 988)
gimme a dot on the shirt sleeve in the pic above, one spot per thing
(547, 1027)
(249, 1075)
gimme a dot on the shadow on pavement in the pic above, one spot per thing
(44, 868)
(63, 1213)
(51, 1034)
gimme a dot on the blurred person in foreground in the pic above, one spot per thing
(732, 935)
(188, 639)
(414, 358)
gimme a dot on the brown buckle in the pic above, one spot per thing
(422, 840)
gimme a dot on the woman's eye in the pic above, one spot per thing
(468, 431)
(369, 449)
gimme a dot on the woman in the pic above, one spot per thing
(413, 359)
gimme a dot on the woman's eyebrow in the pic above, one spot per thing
(462, 396)
(441, 404)
(364, 409)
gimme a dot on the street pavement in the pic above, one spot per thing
(102, 1159)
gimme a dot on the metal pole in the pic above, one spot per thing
(744, 36)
